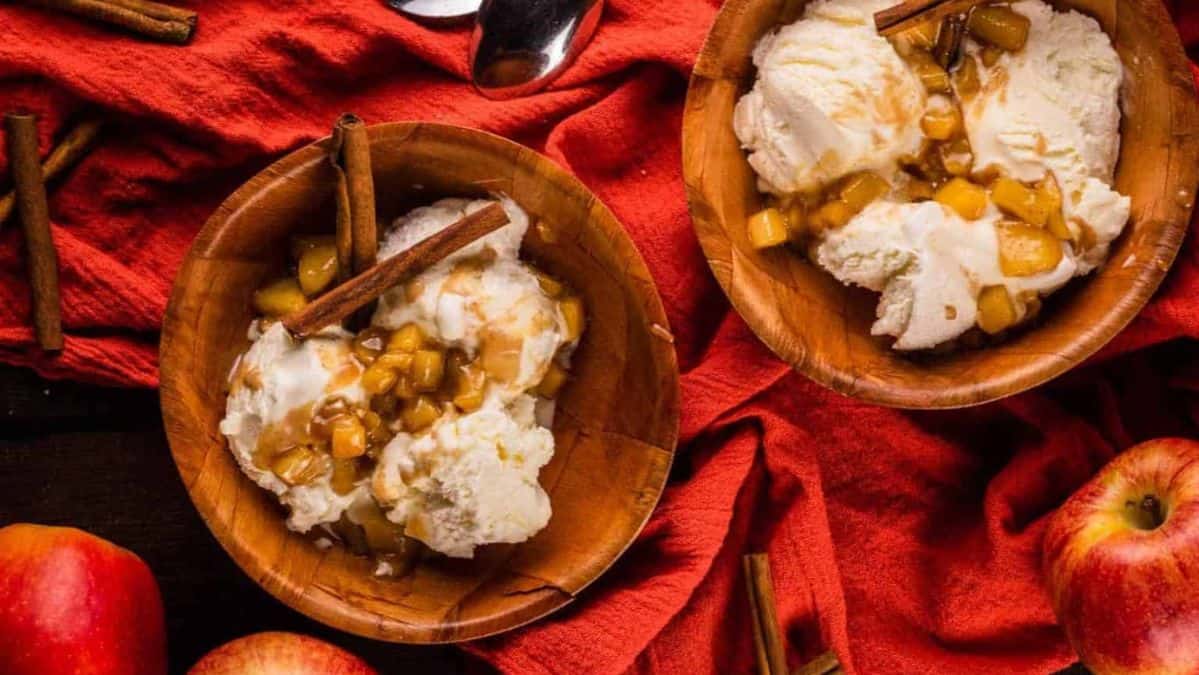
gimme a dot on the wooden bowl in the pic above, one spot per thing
(615, 430)
(823, 328)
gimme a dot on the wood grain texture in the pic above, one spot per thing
(823, 328)
(615, 430)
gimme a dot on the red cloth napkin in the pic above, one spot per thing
(908, 542)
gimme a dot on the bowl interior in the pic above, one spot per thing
(823, 328)
(615, 428)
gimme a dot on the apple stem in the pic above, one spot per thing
(1152, 506)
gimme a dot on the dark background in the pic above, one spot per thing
(97, 459)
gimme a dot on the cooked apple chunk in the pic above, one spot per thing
(996, 312)
(1025, 250)
(1016, 200)
(280, 298)
(317, 268)
(831, 216)
(934, 78)
(965, 79)
(300, 465)
(860, 189)
(957, 157)
(1050, 196)
(968, 199)
(942, 121)
(1000, 26)
(767, 228)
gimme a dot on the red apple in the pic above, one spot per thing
(280, 654)
(74, 604)
(1122, 563)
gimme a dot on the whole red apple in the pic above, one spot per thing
(280, 654)
(1122, 563)
(75, 604)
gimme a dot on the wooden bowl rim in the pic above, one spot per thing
(338, 613)
(963, 394)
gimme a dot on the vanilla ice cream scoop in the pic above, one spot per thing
(471, 480)
(490, 307)
(930, 265)
(275, 387)
(831, 97)
(1054, 107)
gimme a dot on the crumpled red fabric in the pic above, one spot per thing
(906, 541)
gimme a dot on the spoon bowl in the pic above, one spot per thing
(520, 46)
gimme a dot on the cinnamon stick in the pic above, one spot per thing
(30, 190)
(350, 152)
(70, 150)
(149, 19)
(825, 664)
(912, 13)
(363, 289)
(769, 647)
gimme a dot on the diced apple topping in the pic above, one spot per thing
(1050, 195)
(378, 378)
(996, 312)
(990, 55)
(300, 465)
(345, 476)
(767, 229)
(551, 383)
(859, 189)
(348, 437)
(317, 268)
(942, 120)
(934, 78)
(921, 36)
(1016, 200)
(470, 383)
(280, 298)
(303, 242)
(572, 314)
(428, 367)
(831, 216)
(419, 414)
(408, 338)
(1000, 26)
(369, 344)
(1025, 250)
(966, 81)
(966, 198)
(957, 157)
(917, 190)
(549, 285)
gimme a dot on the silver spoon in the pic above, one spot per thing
(520, 46)
(436, 12)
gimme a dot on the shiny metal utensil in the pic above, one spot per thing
(437, 12)
(520, 46)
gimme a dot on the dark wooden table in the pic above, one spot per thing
(97, 459)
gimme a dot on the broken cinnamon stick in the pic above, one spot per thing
(350, 152)
(363, 289)
(42, 260)
(912, 13)
(149, 19)
(70, 150)
(825, 664)
(769, 648)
